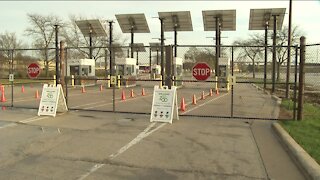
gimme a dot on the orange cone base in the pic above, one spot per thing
(123, 96)
(194, 100)
(132, 94)
(142, 92)
(182, 105)
(202, 96)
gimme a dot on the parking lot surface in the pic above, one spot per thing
(101, 145)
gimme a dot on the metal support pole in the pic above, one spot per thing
(162, 50)
(217, 46)
(289, 51)
(12, 72)
(90, 44)
(232, 69)
(150, 58)
(274, 53)
(175, 41)
(265, 54)
(58, 80)
(157, 56)
(295, 84)
(137, 63)
(110, 49)
(132, 41)
(62, 64)
(301, 77)
(169, 54)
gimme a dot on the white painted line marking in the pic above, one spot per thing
(140, 136)
(8, 125)
(196, 107)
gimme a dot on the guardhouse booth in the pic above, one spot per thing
(224, 72)
(155, 71)
(83, 71)
(127, 69)
(177, 70)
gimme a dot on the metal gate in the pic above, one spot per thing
(250, 96)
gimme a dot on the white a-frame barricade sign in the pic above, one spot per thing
(164, 104)
(52, 100)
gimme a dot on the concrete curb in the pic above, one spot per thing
(274, 97)
(310, 167)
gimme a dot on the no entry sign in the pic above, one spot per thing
(33, 70)
(201, 71)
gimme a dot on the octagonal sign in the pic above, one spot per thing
(33, 70)
(201, 71)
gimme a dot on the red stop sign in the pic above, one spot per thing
(33, 70)
(201, 71)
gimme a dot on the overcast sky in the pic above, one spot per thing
(306, 14)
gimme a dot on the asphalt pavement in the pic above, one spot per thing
(101, 145)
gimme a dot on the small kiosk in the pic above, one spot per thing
(177, 70)
(81, 69)
(155, 71)
(127, 69)
(224, 72)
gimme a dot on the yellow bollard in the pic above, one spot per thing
(72, 80)
(228, 84)
(108, 81)
(54, 80)
(119, 81)
(216, 83)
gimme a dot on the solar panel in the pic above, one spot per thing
(227, 19)
(181, 20)
(259, 17)
(93, 25)
(135, 22)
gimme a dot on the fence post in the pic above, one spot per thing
(62, 64)
(301, 77)
(169, 55)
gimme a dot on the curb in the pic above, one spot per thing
(310, 167)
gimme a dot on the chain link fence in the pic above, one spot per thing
(89, 84)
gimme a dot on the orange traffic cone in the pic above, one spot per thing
(37, 94)
(132, 94)
(22, 88)
(202, 96)
(142, 92)
(123, 96)
(211, 93)
(182, 105)
(3, 98)
(217, 91)
(3, 108)
(101, 87)
(83, 90)
(194, 99)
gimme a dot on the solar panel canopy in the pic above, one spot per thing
(137, 22)
(139, 47)
(259, 17)
(179, 19)
(93, 25)
(226, 17)
(155, 46)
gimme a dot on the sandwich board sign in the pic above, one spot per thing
(164, 104)
(52, 100)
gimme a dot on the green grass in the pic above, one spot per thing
(306, 132)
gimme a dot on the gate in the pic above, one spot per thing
(129, 89)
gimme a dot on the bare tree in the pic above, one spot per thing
(282, 41)
(77, 41)
(43, 32)
(8, 43)
(252, 49)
